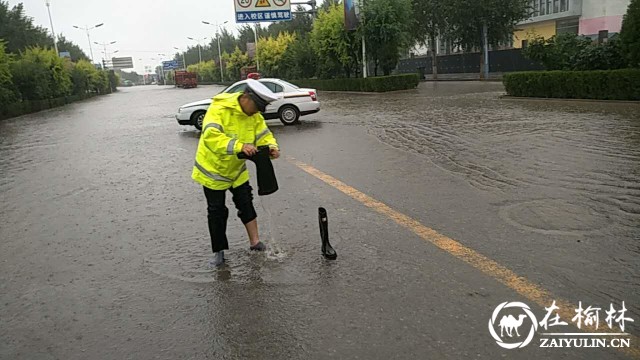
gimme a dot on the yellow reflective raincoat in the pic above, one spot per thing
(224, 130)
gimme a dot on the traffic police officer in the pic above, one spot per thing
(233, 124)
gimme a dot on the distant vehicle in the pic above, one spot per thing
(254, 76)
(186, 79)
(293, 103)
(127, 83)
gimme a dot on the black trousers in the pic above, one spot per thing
(218, 213)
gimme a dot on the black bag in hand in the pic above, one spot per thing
(267, 183)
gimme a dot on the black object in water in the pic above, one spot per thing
(327, 249)
(267, 183)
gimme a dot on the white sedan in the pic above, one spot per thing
(293, 103)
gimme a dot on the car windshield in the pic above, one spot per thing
(226, 89)
(290, 84)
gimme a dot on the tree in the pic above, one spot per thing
(630, 34)
(328, 4)
(386, 28)
(18, 30)
(334, 46)
(469, 17)
(75, 51)
(299, 61)
(234, 62)
(271, 51)
(132, 76)
(430, 20)
(246, 35)
(228, 41)
(300, 25)
(207, 71)
(8, 93)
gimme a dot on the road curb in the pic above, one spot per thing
(508, 97)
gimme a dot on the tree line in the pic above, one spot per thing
(31, 70)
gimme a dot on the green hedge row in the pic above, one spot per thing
(371, 84)
(31, 106)
(599, 84)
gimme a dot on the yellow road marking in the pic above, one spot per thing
(519, 284)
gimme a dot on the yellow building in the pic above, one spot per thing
(526, 33)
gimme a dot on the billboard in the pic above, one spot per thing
(351, 14)
(122, 63)
(251, 50)
(248, 11)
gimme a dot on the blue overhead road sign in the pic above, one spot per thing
(170, 65)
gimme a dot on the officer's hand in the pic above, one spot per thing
(275, 153)
(249, 149)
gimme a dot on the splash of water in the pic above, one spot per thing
(274, 250)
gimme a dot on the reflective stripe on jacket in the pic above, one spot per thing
(224, 130)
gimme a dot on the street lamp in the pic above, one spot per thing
(184, 62)
(199, 51)
(218, 36)
(162, 69)
(104, 45)
(86, 28)
(55, 40)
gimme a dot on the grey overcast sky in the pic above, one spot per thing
(142, 29)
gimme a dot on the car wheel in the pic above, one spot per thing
(197, 118)
(289, 115)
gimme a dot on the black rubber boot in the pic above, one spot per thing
(327, 250)
(267, 183)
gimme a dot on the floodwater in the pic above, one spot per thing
(104, 245)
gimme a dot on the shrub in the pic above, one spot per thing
(606, 56)
(41, 74)
(571, 52)
(372, 84)
(7, 91)
(598, 84)
(207, 71)
(558, 52)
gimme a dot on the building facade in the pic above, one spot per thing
(598, 19)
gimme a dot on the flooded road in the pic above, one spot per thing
(104, 240)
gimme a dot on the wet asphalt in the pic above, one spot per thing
(104, 240)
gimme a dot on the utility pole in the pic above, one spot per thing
(255, 33)
(86, 28)
(364, 45)
(55, 40)
(184, 62)
(104, 46)
(311, 3)
(199, 49)
(486, 51)
(218, 34)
